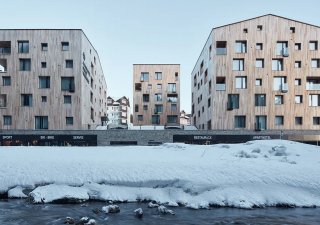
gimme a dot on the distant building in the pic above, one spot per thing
(51, 79)
(118, 112)
(156, 94)
(258, 74)
(185, 119)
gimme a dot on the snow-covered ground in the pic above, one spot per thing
(257, 173)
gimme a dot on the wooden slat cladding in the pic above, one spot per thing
(274, 29)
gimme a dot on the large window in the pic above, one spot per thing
(233, 101)
(277, 64)
(172, 119)
(44, 82)
(26, 99)
(278, 100)
(282, 48)
(145, 98)
(314, 100)
(174, 107)
(41, 122)
(158, 76)
(261, 123)
(240, 121)
(69, 120)
(144, 76)
(279, 83)
(238, 64)
(241, 82)
(172, 87)
(316, 120)
(23, 46)
(158, 97)
(7, 120)
(67, 84)
(3, 100)
(241, 47)
(6, 81)
(25, 64)
(260, 99)
(158, 109)
(155, 119)
(278, 120)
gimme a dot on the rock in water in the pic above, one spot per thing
(111, 209)
(138, 213)
(69, 220)
(91, 222)
(152, 205)
(164, 210)
(84, 219)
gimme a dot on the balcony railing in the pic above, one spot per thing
(221, 51)
(313, 87)
(5, 50)
(220, 87)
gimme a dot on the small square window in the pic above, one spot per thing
(69, 63)
(316, 120)
(258, 82)
(278, 100)
(245, 30)
(292, 30)
(65, 46)
(43, 98)
(7, 120)
(67, 99)
(43, 64)
(69, 120)
(259, 46)
(140, 117)
(259, 63)
(313, 45)
(259, 27)
(297, 64)
(6, 81)
(298, 120)
(145, 107)
(297, 82)
(315, 63)
(297, 46)
(279, 120)
(298, 99)
(44, 46)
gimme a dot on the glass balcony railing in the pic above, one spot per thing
(221, 51)
(5, 50)
(220, 87)
(313, 87)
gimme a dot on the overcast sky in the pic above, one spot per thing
(126, 32)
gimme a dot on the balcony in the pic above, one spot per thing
(312, 87)
(221, 51)
(220, 87)
(5, 47)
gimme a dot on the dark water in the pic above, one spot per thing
(13, 212)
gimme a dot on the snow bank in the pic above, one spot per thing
(258, 173)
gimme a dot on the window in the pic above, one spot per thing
(245, 30)
(69, 63)
(210, 50)
(278, 120)
(158, 109)
(136, 108)
(282, 48)
(298, 120)
(292, 30)
(5, 47)
(238, 64)
(241, 47)
(65, 46)
(172, 119)
(158, 97)
(260, 100)
(44, 82)
(278, 100)
(43, 98)
(7, 120)
(23, 46)
(258, 82)
(209, 102)
(233, 101)
(155, 119)
(41, 122)
(316, 120)
(176, 76)
(25, 64)
(3, 100)
(315, 63)
(280, 83)
(3, 65)
(26, 99)
(145, 97)
(277, 64)
(140, 117)
(297, 82)
(297, 46)
(69, 120)
(44, 46)
(261, 123)
(240, 122)
(159, 86)
(259, 46)
(43, 64)
(67, 99)
(313, 45)
(221, 48)
(314, 100)
(158, 76)
(6, 81)
(297, 64)
(202, 109)
(137, 86)
(298, 99)
(144, 76)
(149, 87)
(241, 82)
(172, 87)
(259, 27)
(67, 84)
(259, 63)
(174, 107)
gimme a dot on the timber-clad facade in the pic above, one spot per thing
(258, 74)
(50, 79)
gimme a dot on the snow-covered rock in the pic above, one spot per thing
(163, 210)
(91, 222)
(138, 213)
(16, 192)
(69, 220)
(111, 209)
(153, 205)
